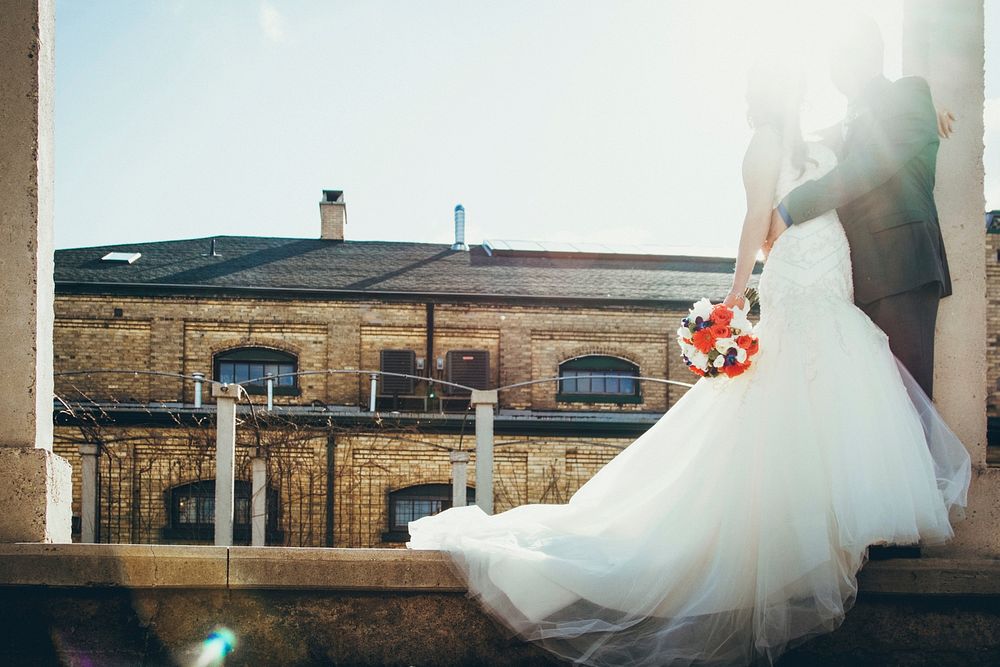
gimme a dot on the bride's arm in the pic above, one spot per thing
(761, 165)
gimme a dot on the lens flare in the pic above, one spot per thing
(220, 643)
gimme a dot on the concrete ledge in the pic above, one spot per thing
(155, 605)
(341, 569)
(402, 570)
(113, 565)
(931, 576)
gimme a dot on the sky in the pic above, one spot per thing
(550, 120)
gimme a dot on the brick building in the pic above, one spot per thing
(237, 308)
(993, 335)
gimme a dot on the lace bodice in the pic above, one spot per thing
(811, 260)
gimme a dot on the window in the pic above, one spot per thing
(616, 383)
(413, 502)
(191, 508)
(253, 364)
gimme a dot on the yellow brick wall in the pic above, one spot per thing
(180, 335)
(993, 324)
(138, 466)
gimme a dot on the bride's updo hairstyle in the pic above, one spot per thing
(775, 89)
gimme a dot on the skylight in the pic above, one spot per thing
(126, 257)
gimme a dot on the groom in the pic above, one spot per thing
(883, 190)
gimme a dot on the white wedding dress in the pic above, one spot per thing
(734, 527)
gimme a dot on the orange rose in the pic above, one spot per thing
(720, 330)
(754, 346)
(703, 340)
(721, 315)
(744, 341)
(735, 369)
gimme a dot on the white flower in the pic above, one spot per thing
(702, 309)
(741, 355)
(741, 322)
(683, 332)
(723, 344)
(699, 359)
(720, 361)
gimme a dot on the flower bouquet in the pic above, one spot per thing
(717, 340)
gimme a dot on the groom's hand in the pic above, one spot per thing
(776, 229)
(946, 123)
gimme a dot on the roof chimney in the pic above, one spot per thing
(332, 215)
(459, 243)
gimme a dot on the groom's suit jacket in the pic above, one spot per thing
(883, 190)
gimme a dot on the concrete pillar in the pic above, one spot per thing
(226, 396)
(943, 42)
(35, 485)
(258, 501)
(89, 455)
(484, 401)
(459, 477)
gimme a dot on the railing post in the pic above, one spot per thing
(270, 393)
(374, 387)
(258, 500)
(198, 379)
(89, 453)
(459, 477)
(484, 401)
(226, 396)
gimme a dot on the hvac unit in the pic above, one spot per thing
(468, 367)
(397, 361)
(396, 393)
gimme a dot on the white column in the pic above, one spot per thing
(459, 477)
(258, 501)
(89, 454)
(484, 402)
(943, 42)
(199, 379)
(226, 397)
(35, 485)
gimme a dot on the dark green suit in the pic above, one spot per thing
(883, 190)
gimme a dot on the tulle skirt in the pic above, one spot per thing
(732, 529)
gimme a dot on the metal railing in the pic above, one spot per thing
(228, 395)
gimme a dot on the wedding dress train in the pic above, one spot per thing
(732, 529)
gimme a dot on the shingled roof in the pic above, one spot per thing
(335, 269)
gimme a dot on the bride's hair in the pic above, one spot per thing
(775, 89)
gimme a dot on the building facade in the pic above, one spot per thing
(135, 324)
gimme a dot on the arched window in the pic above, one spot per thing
(191, 512)
(413, 502)
(616, 381)
(254, 364)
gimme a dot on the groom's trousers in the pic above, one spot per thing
(908, 319)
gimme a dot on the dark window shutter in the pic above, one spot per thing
(468, 367)
(397, 361)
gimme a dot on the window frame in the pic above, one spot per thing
(427, 491)
(599, 364)
(201, 531)
(263, 355)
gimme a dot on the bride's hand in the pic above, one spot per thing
(734, 298)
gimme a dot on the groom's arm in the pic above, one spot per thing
(901, 132)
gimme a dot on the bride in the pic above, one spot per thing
(733, 529)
